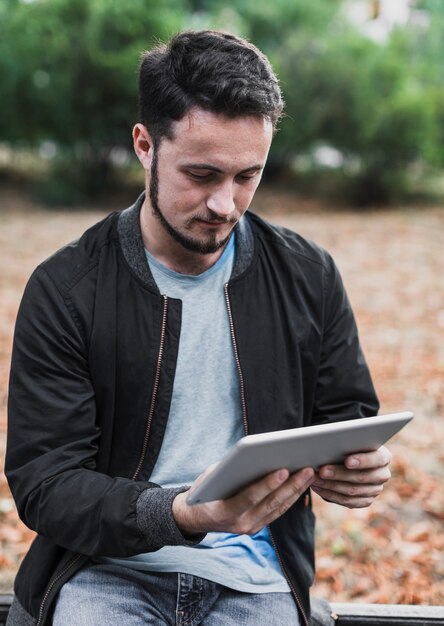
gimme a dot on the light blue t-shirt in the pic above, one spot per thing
(205, 420)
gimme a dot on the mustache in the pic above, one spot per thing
(214, 217)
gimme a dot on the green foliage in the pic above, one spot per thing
(357, 96)
(70, 70)
(68, 74)
(378, 104)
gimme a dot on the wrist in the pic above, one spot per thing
(184, 516)
(155, 520)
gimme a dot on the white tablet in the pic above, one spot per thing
(255, 456)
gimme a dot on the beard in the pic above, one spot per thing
(202, 246)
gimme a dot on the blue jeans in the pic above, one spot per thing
(109, 594)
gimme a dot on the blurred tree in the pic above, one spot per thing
(348, 92)
(378, 104)
(355, 95)
(69, 75)
(424, 47)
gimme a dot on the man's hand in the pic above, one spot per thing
(249, 510)
(356, 483)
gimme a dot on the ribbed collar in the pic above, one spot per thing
(130, 236)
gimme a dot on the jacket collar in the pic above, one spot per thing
(130, 236)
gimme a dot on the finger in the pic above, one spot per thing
(351, 502)
(250, 519)
(353, 490)
(368, 460)
(279, 501)
(341, 473)
(255, 493)
(290, 491)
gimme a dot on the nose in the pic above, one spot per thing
(221, 200)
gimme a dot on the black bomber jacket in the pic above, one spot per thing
(93, 365)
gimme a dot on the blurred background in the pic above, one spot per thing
(357, 165)
(363, 82)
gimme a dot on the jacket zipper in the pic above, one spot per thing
(236, 358)
(290, 584)
(53, 582)
(246, 430)
(155, 389)
(70, 564)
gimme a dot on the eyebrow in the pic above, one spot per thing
(213, 168)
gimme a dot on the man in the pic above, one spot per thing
(144, 350)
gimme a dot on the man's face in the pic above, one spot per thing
(202, 180)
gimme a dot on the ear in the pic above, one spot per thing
(143, 145)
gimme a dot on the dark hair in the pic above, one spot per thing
(213, 70)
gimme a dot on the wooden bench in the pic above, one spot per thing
(5, 603)
(348, 614)
(353, 614)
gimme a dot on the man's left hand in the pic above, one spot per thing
(356, 483)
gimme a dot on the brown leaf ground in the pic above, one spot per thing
(392, 262)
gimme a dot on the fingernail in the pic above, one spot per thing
(353, 462)
(326, 472)
(307, 474)
(282, 475)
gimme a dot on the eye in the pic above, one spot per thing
(246, 177)
(201, 176)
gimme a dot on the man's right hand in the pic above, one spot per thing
(248, 511)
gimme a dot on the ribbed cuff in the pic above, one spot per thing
(156, 522)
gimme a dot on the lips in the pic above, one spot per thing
(212, 223)
(217, 222)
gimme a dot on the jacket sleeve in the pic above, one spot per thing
(53, 438)
(344, 388)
